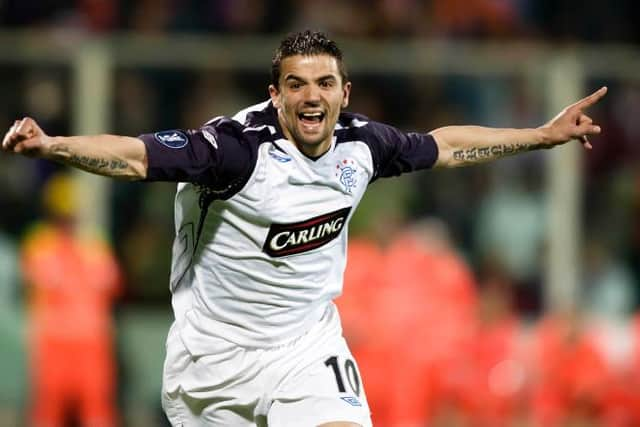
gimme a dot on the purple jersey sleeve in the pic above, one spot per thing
(395, 152)
(218, 155)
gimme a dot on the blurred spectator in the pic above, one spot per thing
(497, 370)
(610, 289)
(510, 231)
(231, 15)
(617, 146)
(418, 282)
(348, 18)
(479, 18)
(620, 345)
(72, 281)
(98, 15)
(626, 401)
(570, 375)
(400, 18)
(429, 302)
(152, 17)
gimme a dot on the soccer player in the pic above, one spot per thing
(261, 213)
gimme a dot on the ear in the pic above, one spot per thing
(274, 93)
(346, 91)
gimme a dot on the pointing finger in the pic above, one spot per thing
(591, 99)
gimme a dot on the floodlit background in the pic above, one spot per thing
(498, 295)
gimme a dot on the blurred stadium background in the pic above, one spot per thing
(498, 295)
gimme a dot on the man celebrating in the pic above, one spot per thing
(262, 209)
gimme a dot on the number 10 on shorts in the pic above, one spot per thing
(350, 371)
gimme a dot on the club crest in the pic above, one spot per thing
(346, 173)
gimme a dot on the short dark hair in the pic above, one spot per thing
(306, 43)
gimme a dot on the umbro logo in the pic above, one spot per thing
(351, 401)
(279, 156)
(209, 137)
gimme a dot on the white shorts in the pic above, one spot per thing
(309, 381)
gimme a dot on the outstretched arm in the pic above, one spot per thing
(108, 155)
(465, 145)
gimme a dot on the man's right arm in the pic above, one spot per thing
(108, 155)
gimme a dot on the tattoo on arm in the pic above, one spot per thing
(95, 164)
(91, 164)
(487, 153)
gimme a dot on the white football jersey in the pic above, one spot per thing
(261, 229)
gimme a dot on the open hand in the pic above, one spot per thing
(26, 137)
(573, 123)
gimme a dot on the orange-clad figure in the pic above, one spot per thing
(72, 282)
(429, 301)
(415, 290)
(571, 376)
(623, 400)
(497, 361)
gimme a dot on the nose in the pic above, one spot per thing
(312, 94)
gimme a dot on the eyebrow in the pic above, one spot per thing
(319, 79)
(327, 77)
(293, 77)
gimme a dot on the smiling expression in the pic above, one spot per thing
(309, 98)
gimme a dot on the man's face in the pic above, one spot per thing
(309, 100)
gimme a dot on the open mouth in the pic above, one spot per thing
(311, 118)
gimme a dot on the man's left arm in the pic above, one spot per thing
(466, 145)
